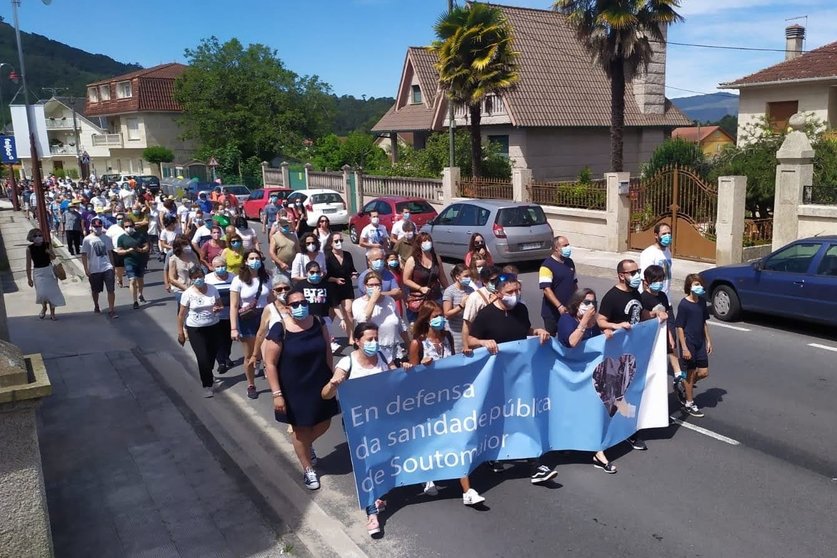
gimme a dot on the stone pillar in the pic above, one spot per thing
(729, 227)
(346, 177)
(794, 172)
(521, 178)
(24, 518)
(286, 174)
(359, 188)
(450, 184)
(308, 167)
(265, 164)
(618, 210)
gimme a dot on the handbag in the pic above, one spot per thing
(58, 271)
(250, 311)
(414, 302)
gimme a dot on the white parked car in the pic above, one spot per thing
(319, 202)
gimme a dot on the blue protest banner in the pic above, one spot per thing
(8, 149)
(442, 420)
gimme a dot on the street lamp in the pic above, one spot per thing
(30, 119)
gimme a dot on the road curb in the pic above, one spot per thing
(249, 448)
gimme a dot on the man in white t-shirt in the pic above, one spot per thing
(202, 234)
(126, 195)
(374, 235)
(97, 260)
(114, 232)
(183, 212)
(398, 227)
(659, 254)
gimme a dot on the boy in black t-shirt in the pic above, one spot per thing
(653, 298)
(315, 290)
(693, 333)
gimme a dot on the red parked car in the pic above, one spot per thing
(389, 210)
(254, 204)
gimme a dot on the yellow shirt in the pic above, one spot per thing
(234, 260)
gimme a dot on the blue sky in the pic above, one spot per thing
(358, 45)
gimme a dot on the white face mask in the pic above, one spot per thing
(375, 220)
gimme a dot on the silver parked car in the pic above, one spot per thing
(513, 231)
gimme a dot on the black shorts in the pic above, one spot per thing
(100, 281)
(550, 324)
(700, 358)
(118, 260)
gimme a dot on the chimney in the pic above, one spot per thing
(650, 86)
(794, 38)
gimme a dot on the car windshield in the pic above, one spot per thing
(414, 206)
(522, 216)
(326, 198)
(238, 190)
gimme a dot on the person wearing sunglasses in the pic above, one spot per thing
(198, 314)
(621, 308)
(276, 311)
(323, 231)
(248, 297)
(316, 291)
(39, 256)
(480, 298)
(578, 324)
(298, 363)
(376, 307)
(221, 279)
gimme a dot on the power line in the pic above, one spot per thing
(724, 47)
(689, 90)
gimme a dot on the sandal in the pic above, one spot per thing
(42, 315)
(372, 525)
(608, 467)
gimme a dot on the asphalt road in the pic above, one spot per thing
(758, 481)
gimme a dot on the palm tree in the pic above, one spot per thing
(618, 36)
(475, 58)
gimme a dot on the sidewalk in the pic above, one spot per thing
(128, 469)
(603, 264)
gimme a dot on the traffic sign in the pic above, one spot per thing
(212, 162)
(8, 149)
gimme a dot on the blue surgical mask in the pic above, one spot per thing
(393, 264)
(635, 281)
(235, 244)
(370, 348)
(438, 323)
(199, 282)
(510, 301)
(426, 246)
(314, 278)
(254, 264)
(656, 286)
(300, 312)
(566, 251)
(491, 287)
(465, 281)
(285, 228)
(665, 240)
(377, 265)
(698, 290)
(221, 270)
(405, 216)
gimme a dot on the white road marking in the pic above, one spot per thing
(826, 347)
(736, 328)
(705, 432)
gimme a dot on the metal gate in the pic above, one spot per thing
(681, 198)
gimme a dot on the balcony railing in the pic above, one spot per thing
(60, 124)
(107, 140)
(62, 150)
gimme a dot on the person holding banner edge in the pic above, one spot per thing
(507, 319)
(578, 324)
(621, 308)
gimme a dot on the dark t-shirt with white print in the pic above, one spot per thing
(619, 306)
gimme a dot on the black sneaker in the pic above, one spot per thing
(693, 410)
(222, 368)
(141, 298)
(637, 443)
(136, 305)
(543, 474)
(606, 467)
(680, 392)
(496, 466)
(252, 393)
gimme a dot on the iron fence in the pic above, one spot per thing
(758, 232)
(580, 195)
(820, 194)
(485, 188)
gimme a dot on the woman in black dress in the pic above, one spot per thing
(298, 362)
(340, 269)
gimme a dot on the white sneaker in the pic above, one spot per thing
(335, 346)
(208, 392)
(472, 497)
(430, 489)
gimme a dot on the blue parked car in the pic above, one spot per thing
(797, 281)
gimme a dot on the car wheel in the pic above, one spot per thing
(725, 303)
(353, 236)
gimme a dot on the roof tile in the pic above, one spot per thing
(817, 63)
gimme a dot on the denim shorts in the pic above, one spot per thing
(133, 270)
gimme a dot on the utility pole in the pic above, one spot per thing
(451, 124)
(33, 147)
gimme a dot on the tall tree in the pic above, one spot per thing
(475, 58)
(157, 155)
(244, 100)
(618, 36)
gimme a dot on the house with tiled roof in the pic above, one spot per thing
(711, 139)
(137, 110)
(804, 82)
(556, 120)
